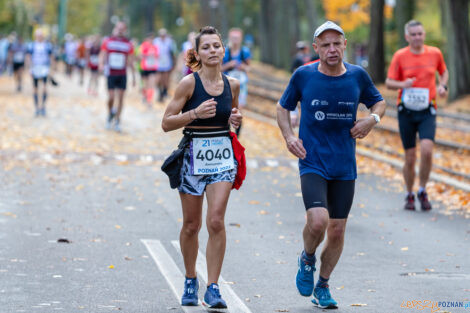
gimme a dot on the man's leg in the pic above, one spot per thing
(409, 168)
(314, 193)
(333, 247)
(425, 165)
(44, 96)
(36, 96)
(408, 130)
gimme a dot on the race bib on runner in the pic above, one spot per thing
(416, 99)
(150, 61)
(18, 57)
(40, 71)
(211, 155)
(94, 59)
(117, 60)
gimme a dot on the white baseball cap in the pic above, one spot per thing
(326, 26)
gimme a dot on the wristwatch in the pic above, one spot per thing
(376, 117)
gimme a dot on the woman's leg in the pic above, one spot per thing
(192, 219)
(217, 197)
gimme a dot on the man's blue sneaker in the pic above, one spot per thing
(189, 298)
(323, 299)
(304, 278)
(212, 298)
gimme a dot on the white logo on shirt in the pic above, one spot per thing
(316, 102)
(319, 115)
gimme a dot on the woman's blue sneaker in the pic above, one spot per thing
(191, 287)
(323, 299)
(213, 299)
(304, 278)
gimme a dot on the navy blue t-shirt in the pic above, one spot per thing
(329, 106)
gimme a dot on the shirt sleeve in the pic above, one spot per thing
(104, 45)
(227, 51)
(441, 65)
(291, 95)
(369, 93)
(394, 71)
(246, 53)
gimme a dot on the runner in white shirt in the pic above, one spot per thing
(166, 61)
(39, 59)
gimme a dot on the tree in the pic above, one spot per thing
(404, 10)
(458, 46)
(376, 42)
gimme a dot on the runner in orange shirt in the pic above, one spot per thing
(149, 65)
(413, 72)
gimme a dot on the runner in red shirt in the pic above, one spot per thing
(148, 55)
(413, 72)
(117, 53)
(93, 62)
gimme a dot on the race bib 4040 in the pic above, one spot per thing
(211, 155)
(416, 99)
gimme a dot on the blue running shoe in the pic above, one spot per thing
(213, 299)
(189, 298)
(304, 278)
(323, 299)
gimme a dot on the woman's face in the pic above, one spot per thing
(211, 50)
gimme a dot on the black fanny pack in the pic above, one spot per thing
(172, 165)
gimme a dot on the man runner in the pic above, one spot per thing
(329, 92)
(413, 71)
(117, 53)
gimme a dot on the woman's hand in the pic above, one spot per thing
(207, 109)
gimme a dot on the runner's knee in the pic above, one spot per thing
(215, 225)
(336, 233)
(191, 228)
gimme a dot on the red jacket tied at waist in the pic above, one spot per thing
(239, 154)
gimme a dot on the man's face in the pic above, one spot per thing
(415, 36)
(120, 29)
(330, 46)
(235, 38)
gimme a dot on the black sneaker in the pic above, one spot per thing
(410, 202)
(423, 199)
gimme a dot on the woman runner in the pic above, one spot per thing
(204, 103)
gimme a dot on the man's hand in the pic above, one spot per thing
(235, 118)
(362, 127)
(296, 147)
(407, 83)
(442, 91)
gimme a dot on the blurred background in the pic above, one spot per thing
(272, 28)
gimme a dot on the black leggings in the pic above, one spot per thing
(334, 195)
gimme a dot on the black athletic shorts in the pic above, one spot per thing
(144, 73)
(334, 195)
(117, 82)
(36, 81)
(412, 122)
(17, 66)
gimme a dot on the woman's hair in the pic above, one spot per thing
(191, 60)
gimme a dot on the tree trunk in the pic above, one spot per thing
(404, 10)
(266, 31)
(107, 26)
(458, 47)
(376, 42)
(312, 15)
(149, 16)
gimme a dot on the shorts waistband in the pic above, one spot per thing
(207, 132)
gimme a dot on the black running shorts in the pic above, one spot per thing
(412, 122)
(334, 195)
(36, 81)
(117, 82)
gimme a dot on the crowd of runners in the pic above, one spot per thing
(207, 103)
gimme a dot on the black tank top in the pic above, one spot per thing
(223, 107)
